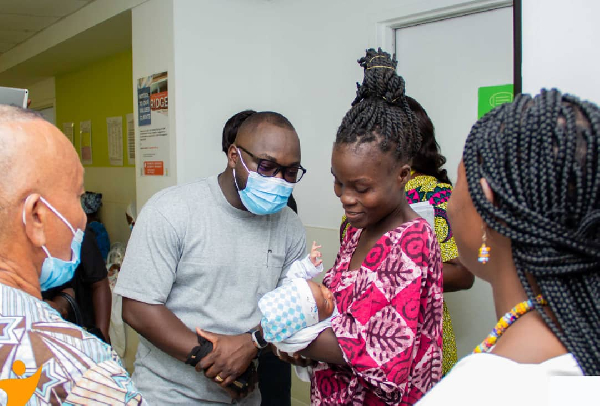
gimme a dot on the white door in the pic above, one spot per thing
(444, 63)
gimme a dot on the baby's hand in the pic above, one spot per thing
(315, 254)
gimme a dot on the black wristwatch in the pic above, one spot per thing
(258, 339)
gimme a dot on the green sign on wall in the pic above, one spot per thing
(493, 96)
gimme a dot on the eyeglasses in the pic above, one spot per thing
(268, 168)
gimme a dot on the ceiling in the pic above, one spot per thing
(100, 41)
(22, 19)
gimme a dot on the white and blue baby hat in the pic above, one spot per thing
(287, 310)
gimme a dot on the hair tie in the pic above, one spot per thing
(381, 66)
(393, 101)
(378, 56)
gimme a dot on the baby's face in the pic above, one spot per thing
(324, 299)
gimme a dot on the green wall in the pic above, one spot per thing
(95, 92)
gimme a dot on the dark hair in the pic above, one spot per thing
(541, 158)
(232, 126)
(91, 202)
(429, 160)
(276, 119)
(380, 111)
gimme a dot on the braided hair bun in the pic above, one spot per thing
(541, 157)
(380, 110)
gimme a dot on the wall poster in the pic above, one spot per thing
(114, 130)
(130, 139)
(489, 97)
(85, 133)
(153, 124)
(68, 131)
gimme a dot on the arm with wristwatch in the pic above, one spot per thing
(200, 357)
(204, 358)
(231, 355)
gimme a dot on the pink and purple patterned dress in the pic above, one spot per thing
(390, 323)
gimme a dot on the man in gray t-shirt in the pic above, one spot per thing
(201, 255)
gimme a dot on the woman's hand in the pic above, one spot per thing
(295, 359)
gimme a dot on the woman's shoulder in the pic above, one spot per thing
(467, 382)
(416, 240)
(413, 229)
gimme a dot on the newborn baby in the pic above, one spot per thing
(296, 312)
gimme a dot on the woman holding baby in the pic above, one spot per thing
(385, 346)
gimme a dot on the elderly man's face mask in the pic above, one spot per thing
(55, 271)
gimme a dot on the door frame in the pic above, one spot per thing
(386, 29)
(386, 37)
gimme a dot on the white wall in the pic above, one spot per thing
(152, 52)
(560, 47)
(297, 58)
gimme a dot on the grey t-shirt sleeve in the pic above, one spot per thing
(295, 245)
(153, 252)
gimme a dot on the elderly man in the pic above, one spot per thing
(41, 223)
(202, 255)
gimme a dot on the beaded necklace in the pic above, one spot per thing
(506, 320)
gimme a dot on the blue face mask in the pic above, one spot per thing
(55, 271)
(263, 195)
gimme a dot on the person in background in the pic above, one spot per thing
(526, 218)
(88, 293)
(117, 331)
(91, 203)
(385, 346)
(41, 231)
(430, 183)
(114, 261)
(274, 375)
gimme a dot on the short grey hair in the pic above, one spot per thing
(10, 114)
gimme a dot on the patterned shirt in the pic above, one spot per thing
(390, 323)
(425, 188)
(71, 367)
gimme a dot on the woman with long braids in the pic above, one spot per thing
(526, 218)
(385, 347)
